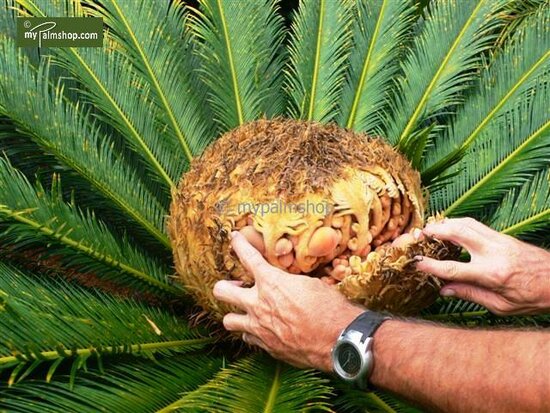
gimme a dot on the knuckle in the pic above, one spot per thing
(500, 307)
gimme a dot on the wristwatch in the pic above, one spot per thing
(352, 357)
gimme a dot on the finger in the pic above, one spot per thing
(249, 256)
(236, 322)
(479, 295)
(253, 340)
(454, 271)
(232, 293)
(460, 231)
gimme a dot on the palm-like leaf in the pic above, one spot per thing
(519, 146)
(47, 321)
(270, 388)
(33, 217)
(525, 58)
(381, 28)
(141, 386)
(444, 59)
(319, 46)
(241, 56)
(102, 77)
(153, 38)
(534, 217)
(66, 131)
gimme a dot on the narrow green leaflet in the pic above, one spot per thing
(142, 386)
(64, 130)
(444, 59)
(516, 70)
(240, 50)
(35, 217)
(45, 320)
(319, 47)
(257, 384)
(380, 31)
(151, 34)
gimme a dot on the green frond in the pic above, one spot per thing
(65, 131)
(33, 216)
(352, 400)
(257, 384)
(507, 155)
(453, 309)
(24, 153)
(101, 71)
(241, 58)
(444, 60)
(153, 38)
(319, 47)
(525, 58)
(51, 321)
(380, 31)
(534, 214)
(139, 387)
(517, 11)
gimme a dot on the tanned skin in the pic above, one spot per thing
(298, 319)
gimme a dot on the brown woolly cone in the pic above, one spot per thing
(356, 194)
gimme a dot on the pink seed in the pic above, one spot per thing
(286, 260)
(323, 242)
(283, 247)
(339, 272)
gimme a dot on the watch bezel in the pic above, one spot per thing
(362, 346)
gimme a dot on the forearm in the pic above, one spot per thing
(462, 370)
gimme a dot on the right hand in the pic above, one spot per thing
(504, 275)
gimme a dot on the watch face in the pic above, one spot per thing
(349, 359)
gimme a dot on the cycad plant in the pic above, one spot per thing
(94, 141)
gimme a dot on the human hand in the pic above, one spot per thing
(293, 317)
(505, 275)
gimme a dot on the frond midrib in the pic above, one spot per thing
(416, 114)
(78, 246)
(232, 70)
(316, 62)
(495, 170)
(366, 66)
(155, 82)
(123, 348)
(517, 227)
(275, 385)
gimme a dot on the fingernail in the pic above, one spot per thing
(233, 234)
(417, 233)
(447, 292)
(418, 258)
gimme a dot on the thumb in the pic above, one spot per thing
(250, 257)
(468, 292)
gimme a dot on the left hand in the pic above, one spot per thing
(293, 317)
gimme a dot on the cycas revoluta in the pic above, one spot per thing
(95, 141)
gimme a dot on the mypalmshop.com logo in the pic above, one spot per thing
(59, 32)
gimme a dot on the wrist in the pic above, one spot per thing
(345, 316)
(383, 337)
